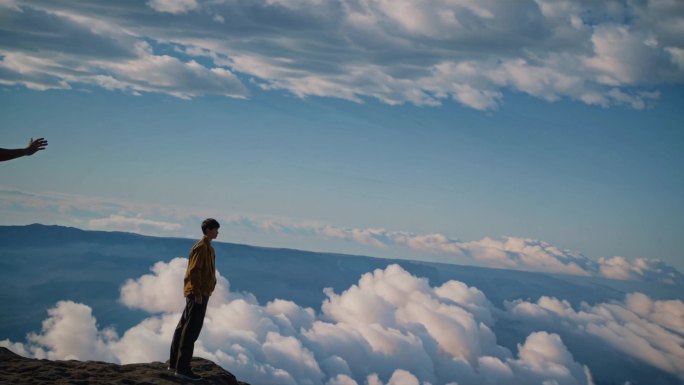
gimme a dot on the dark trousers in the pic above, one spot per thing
(186, 333)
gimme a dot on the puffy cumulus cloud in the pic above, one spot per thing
(545, 359)
(666, 313)
(69, 333)
(649, 331)
(639, 269)
(614, 47)
(424, 52)
(402, 377)
(389, 328)
(162, 291)
(529, 254)
(341, 379)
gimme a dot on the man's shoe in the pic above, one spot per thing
(189, 375)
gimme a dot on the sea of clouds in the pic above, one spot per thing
(389, 328)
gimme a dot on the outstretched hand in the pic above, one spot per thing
(13, 153)
(36, 145)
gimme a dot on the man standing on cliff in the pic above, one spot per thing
(200, 280)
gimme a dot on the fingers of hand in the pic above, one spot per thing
(37, 145)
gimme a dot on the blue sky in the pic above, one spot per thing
(360, 127)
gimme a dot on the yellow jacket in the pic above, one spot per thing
(200, 276)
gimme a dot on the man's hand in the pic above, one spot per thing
(198, 299)
(36, 145)
(13, 153)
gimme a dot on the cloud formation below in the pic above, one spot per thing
(646, 330)
(424, 52)
(390, 328)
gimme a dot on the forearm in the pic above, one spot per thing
(196, 282)
(12, 153)
(196, 264)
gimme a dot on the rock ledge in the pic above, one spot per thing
(18, 370)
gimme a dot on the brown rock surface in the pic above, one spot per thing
(17, 370)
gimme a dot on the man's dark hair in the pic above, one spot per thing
(209, 224)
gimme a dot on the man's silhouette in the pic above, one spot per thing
(200, 281)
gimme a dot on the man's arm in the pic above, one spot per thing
(33, 147)
(196, 264)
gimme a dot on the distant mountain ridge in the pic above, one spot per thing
(43, 264)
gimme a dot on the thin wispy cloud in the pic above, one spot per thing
(426, 52)
(507, 252)
(136, 224)
(94, 213)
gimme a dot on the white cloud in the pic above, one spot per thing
(167, 74)
(294, 3)
(402, 377)
(646, 330)
(394, 51)
(508, 252)
(544, 358)
(108, 55)
(137, 224)
(161, 291)
(149, 338)
(173, 6)
(106, 214)
(71, 333)
(414, 334)
(341, 379)
(639, 269)
(622, 56)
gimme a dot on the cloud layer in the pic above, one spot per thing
(424, 52)
(389, 328)
(648, 331)
(508, 252)
(137, 224)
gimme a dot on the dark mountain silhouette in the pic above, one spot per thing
(40, 265)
